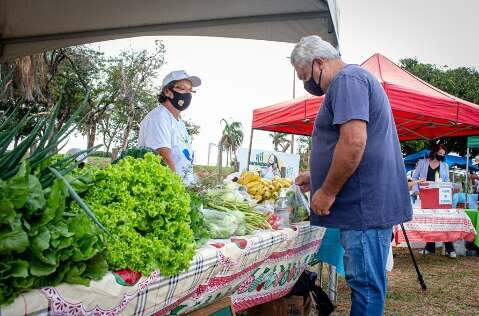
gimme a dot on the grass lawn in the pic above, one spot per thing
(99, 162)
(453, 287)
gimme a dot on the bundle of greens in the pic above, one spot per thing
(222, 224)
(299, 204)
(146, 208)
(40, 243)
(198, 225)
(136, 152)
(227, 199)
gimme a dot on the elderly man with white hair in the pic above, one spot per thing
(357, 176)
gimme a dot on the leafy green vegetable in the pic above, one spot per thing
(198, 225)
(41, 244)
(146, 207)
(136, 152)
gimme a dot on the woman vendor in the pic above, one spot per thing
(434, 168)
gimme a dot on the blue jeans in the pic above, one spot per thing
(365, 257)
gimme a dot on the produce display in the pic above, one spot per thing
(145, 206)
(262, 189)
(136, 152)
(223, 224)
(40, 243)
(229, 199)
(198, 225)
(298, 203)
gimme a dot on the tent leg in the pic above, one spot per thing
(466, 184)
(419, 275)
(249, 149)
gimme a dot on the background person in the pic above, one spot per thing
(272, 169)
(164, 131)
(80, 158)
(430, 169)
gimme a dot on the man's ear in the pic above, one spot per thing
(319, 62)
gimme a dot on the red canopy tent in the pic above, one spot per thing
(420, 110)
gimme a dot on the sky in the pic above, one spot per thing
(241, 75)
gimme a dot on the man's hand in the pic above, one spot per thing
(321, 202)
(304, 180)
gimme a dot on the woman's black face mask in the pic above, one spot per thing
(180, 101)
(440, 157)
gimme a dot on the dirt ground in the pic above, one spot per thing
(453, 287)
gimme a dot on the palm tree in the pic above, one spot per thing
(304, 150)
(231, 139)
(280, 141)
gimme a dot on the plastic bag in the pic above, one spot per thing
(299, 203)
(240, 221)
(220, 224)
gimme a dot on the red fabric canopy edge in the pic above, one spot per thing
(420, 110)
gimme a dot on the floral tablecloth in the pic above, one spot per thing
(251, 269)
(437, 225)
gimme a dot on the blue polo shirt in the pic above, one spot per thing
(376, 195)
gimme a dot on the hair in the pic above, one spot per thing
(162, 96)
(435, 149)
(276, 161)
(312, 47)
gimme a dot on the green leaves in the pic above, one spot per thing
(40, 243)
(197, 224)
(19, 269)
(35, 199)
(15, 240)
(39, 268)
(16, 187)
(145, 206)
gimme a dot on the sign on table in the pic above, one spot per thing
(270, 163)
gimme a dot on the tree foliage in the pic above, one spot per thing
(119, 91)
(462, 82)
(280, 141)
(304, 151)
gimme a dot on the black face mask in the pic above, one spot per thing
(180, 101)
(440, 157)
(311, 86)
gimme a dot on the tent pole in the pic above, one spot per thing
(292, 143)
(466, 185)
(249, 149)
(420, 278)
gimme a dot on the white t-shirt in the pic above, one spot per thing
(160, 129)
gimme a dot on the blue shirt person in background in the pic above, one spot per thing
(357, 175)
(429, 169)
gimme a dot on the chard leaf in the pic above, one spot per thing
(17, 187)
(38, 268)
(19, 269)
(15, 240)
(36, 198)
(41, 241)
(7, 213)
(54, 203)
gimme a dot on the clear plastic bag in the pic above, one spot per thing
(222, 224)
(299, 203)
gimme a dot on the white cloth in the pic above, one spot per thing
(390, 260)
(160, 129)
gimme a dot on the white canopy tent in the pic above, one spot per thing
(30, 26)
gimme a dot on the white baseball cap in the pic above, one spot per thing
(181, 75)
(75, 151)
